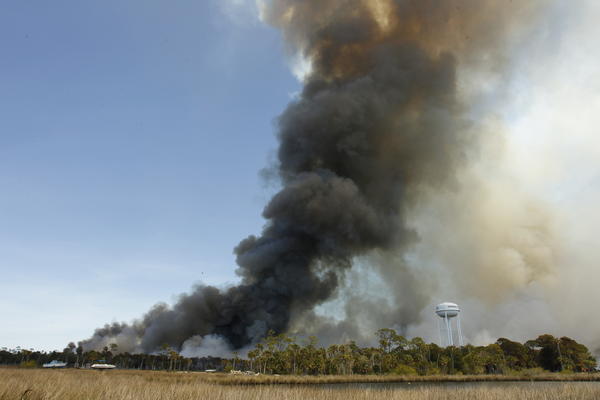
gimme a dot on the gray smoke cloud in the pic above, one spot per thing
(383, 129)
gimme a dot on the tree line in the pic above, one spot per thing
(280, 354)
(395, 354)
(166, 359)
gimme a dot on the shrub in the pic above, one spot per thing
(404, 370)
(28, 364)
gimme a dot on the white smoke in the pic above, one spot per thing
(206, 346)
(551, 153)
(514, 242)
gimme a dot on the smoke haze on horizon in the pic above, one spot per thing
(404, 173)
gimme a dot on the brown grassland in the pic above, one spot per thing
(69, 384)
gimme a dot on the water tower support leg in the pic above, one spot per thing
(448, 330)
(460, 337)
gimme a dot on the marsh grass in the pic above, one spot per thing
(21, 384)
(226, 379)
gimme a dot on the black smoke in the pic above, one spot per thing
(379, 121)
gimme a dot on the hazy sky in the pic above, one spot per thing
(132, 134)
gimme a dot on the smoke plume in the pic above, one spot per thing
(377, 157)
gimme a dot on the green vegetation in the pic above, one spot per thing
(282, 354)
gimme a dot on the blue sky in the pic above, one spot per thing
(132, 134)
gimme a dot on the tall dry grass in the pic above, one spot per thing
(228, 379)
(18, 384)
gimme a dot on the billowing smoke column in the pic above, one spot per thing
(379, 121)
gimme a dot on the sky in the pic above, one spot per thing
(132, 136)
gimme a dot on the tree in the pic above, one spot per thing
(253, 355)
(165, 349)
(79, 352)
(236, 359)
(114, 348)
(517, 355)
(575, 356)
(387, 339)
(547, 348)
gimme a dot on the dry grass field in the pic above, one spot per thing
(21, 384)
(228, 379)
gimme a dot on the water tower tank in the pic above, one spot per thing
(449, 310)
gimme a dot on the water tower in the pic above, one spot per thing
(447, 311)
